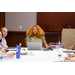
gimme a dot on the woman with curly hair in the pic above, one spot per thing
(35, 34)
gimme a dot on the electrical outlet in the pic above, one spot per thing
(20, 27)
(20, 44)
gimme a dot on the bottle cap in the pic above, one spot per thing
(59, 44)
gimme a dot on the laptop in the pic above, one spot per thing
(34, 45)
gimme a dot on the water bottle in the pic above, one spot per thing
(18, 51)
(59, 52)
(1, 58)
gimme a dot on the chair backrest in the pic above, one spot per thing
(53, 45)
(68, 37)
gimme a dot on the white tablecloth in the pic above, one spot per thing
(36, 56)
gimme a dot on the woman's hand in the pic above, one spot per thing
(69, 55)
(5, 47)
(48, 47)
(68, 47)
(67, 59)
(72, 47)
(10, 54)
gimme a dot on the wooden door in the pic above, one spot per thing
(2, 19)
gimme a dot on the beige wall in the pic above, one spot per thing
(13, 20)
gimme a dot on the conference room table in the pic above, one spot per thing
(36, 56)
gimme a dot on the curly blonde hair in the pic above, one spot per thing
(40, 31)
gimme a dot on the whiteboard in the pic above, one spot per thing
(20, 21)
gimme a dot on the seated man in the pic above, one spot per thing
(2, 48)
(4, 31)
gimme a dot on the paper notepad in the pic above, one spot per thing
(12, 49)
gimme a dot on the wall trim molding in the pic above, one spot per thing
(16, 37)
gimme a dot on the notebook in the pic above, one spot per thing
(12, 49)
